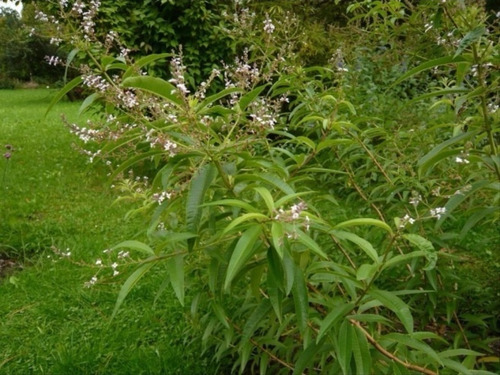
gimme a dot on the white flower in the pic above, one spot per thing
(437, 212)
(268, 25)
(98, 262)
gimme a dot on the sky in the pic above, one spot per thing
(11, 4)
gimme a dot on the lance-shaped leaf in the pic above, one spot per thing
(414, 343)
(155, 86)
(60, 94)
(257, 316)
(361, 353)
(300, 299)
(469, 38)
(429, 65)
(396, 304)
(175, 268)
(344, 350)
(143, 62)
(197, 189)
(242, 253)
(361, 242)
(135, 245)
(333, 317)
(131, 281)
(364, 221)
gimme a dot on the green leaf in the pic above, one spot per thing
(456, 366)
(475, 218)
(458, 352)
(469, 38)
(361, 353)
(344, 350)
(208, 101)
(306, 358)
(143, 62)
(257, 316)
(175, 268)
(364, 221)
(361, 242)
(89, 100)
(403, 258)
(425, 246)
(329, 143)
(220, 313)
(135, 245)
(60, 94)
(438, 93)
(242, 253)
(69, 60)
(304, 239)
(131, 281)
(155, 86)
(267, 197)
(429, 65)
(276, 181)
(197, 189)
(394, 303)
(233, 203)
(424, 161)
(333, 317)
(250, 97)
(277, 235)
(173, 237)
(366, 271)
(300, 299)
(241, 219)
(415, 344)
(306, 141)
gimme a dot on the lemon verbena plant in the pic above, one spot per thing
(249, 182)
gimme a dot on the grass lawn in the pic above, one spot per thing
(49, 322)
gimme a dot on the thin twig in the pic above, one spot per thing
(388, 354)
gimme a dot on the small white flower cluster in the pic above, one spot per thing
(91, 282)
(128, 99)
(63, 3)
(40, 16)
(177, 70)
(78, 7)
(292, 215)
(53, 60)
(161, 197)
(88, 16)
(91, 155)
(85, 135)
(415, 200)
(493, 107)
(268, 25)
(200, 93)
(407, 219)
(461, 160)
(124, 52)
(160, 140)
(114, 266)
(95, 82)
(55, 41)
(437, 212)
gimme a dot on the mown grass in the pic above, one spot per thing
(49, 322)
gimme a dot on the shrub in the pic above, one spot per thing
(308, 230)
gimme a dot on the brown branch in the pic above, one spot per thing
(388, 354)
